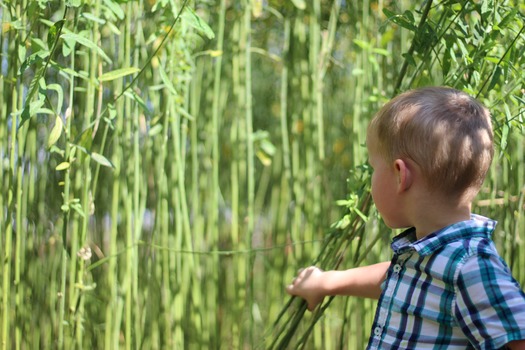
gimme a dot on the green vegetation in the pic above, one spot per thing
(167, 166)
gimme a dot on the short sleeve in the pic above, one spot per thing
(490, 305)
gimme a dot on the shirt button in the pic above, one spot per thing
(397, 268)
(377, 331)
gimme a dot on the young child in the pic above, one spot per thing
(446, 286)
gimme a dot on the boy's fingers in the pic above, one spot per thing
(290, 289)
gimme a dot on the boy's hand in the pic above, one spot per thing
(308, 285)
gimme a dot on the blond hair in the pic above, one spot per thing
(447, 133)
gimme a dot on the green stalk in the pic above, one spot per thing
(315, 146)
(287, 168)
(21, 141)
(250, 158)
(7, 261)
(83, 183)
(20, 236)
(112, 330)
(130, 143)
(66, 209)
(238, 179)
(138, 209)
(213, 292)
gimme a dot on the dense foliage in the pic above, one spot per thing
(168, 165)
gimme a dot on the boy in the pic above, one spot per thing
(446, 286)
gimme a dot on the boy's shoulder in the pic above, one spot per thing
(458, 240)
(464, 247)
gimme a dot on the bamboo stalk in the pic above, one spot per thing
(216, 127)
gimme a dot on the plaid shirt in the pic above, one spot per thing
(448, 290)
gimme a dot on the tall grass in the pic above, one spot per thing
(167, 166)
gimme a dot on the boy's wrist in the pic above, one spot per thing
(328, 282)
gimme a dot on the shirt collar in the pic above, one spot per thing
(477, 226)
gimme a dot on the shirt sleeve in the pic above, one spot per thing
(490, 305)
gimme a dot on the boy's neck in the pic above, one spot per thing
(431, 213)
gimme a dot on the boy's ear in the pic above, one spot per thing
(404, 175)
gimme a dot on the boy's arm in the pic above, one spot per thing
(490, 305)
(313, 284)
(516, 345)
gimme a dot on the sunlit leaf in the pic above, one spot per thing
(133, 95)
(167, 82)
(155, 130)
(268, 147)
(401, 20)
(87, 43)
(85, 139)
(300, 4)
(93, 18)
(265, 160)
(55, 133)
(62, 166)
(118, 73)
(100, 159)
(196, 22)
(185, 113)
(60, 95)
(73, 3)
(78, 208)
(115, 8)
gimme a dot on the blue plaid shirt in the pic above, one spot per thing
(448, 290)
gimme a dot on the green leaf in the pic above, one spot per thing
(62, 166)
(78, 208)
(300, 4)
(504, 137)
(196, 22)
(73, 3)
(60, 95)
(485, 6)
(401, 20)
(85, 139)
(100, 159)
(495, 78)
(185, 113)
(87, 43)
(31, 106)
(268, 147)
(35, 59)
(167, 82)
(93, 18)
(362, 44)
(382, 52)
(118, 73)
(115, 8)
(265, 160)
(55, 133)
(112, 111)
(155, 130)
(133, 95)
(410, 59)
(360, 214)
(509, 17)
(52, 34)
